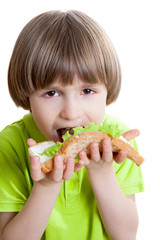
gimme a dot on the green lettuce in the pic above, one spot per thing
(51, 151)
(112, 130)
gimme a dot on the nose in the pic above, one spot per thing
(71, 110)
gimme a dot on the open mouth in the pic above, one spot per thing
(62, 131)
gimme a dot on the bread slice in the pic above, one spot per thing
(36, 150)
(81, 142)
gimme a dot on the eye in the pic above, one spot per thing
(52, 93)
(87, 91)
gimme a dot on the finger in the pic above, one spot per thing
(83, 157)
(57, 173)
(107, 150)
(68, 172)
(120, 157)
(31, 142)
(79, 165)
(131, 134)
(95, 154)
(36, 172)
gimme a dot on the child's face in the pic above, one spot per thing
(57, 107)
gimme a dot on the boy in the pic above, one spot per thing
(64, 69)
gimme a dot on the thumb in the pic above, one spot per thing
(31, 142)
(131, 134)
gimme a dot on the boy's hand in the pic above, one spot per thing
(97, 160)
(61, 171)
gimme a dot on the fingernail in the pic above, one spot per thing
(94, 146)
(35, 159)
(58, 159)
(70, 161)
(107, 143)
(123, 154)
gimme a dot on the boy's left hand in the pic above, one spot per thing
(99, 160)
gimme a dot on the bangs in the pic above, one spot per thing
(71, 53)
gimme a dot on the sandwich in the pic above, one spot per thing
(79, 139)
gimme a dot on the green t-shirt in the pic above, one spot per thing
(75, 215)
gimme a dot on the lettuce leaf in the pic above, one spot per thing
(51, 151)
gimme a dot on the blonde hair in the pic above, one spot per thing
(59, 45)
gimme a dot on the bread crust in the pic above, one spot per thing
(132, 154)
(47, 166)
(81, 142)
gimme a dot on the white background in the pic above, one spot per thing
(134, 28)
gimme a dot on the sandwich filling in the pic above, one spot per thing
(62, 131)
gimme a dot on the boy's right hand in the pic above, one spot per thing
(61, 171)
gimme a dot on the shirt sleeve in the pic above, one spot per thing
(15, 182)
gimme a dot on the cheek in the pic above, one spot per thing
(97, 111)
(41, 117)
